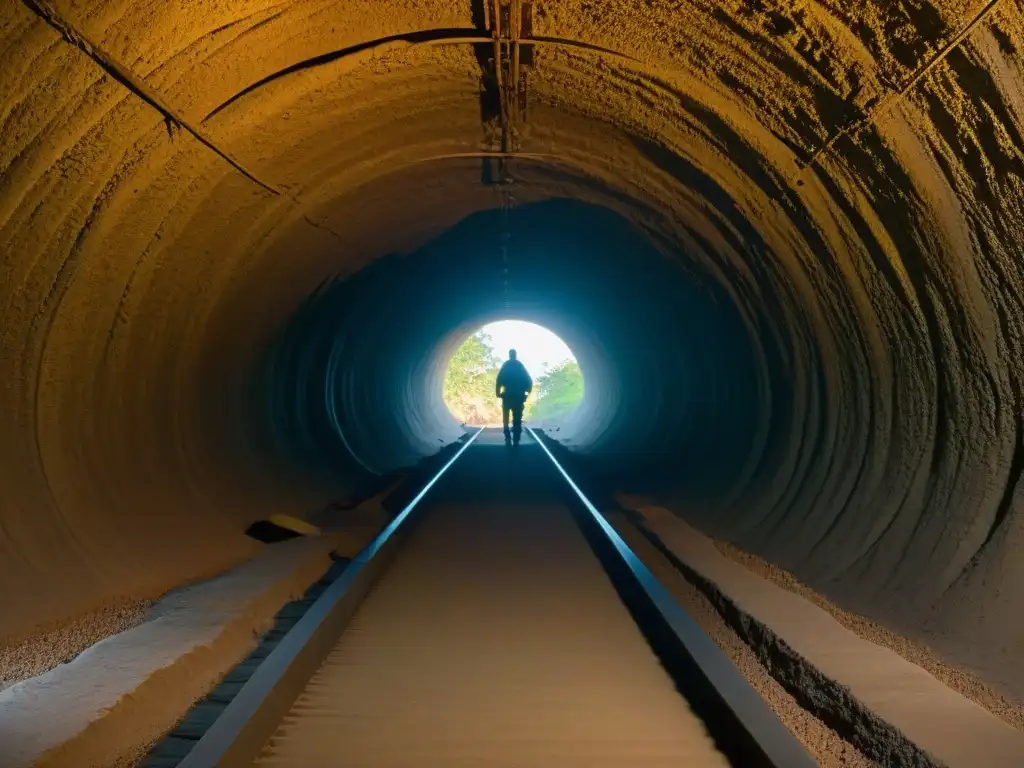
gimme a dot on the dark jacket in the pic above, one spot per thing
(514, 383)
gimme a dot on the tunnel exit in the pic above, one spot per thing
(470, 379)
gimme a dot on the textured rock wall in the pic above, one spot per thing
(842, 179)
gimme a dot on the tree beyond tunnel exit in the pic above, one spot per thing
(470, 380)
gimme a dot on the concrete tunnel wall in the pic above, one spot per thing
(840, 180)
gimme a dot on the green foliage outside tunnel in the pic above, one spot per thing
(469, 386)
(556, 393)
(469, 383)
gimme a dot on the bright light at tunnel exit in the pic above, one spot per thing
(539, 349)
(470, 379)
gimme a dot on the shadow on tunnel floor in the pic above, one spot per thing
(491, 472)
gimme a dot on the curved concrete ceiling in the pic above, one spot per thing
(808, 212)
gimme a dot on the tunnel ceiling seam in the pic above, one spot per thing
(133, 83)
(896, 96)
(426, 37)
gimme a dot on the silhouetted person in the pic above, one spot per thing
(513, 386)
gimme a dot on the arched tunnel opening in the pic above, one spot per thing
(473, 378)
(671, 369)
(241, 243)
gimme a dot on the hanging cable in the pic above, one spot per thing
(510, 18)
(504, 237)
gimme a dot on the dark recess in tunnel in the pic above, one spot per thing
(354, 382)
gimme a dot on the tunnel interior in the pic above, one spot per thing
(671, 369)
(240, 242)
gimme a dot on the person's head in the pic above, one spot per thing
(511, 354)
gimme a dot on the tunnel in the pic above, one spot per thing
(241, 241)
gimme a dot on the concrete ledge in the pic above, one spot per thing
(358, 524)
(237, 735)
(107, 704)
(893, 710)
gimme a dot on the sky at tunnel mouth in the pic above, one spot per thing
(184, 189)
(471, 374)
(538, 348)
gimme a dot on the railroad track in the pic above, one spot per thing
(497, 620)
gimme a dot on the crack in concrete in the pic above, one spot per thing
(125, 77)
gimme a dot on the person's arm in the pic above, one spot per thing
(499, 382)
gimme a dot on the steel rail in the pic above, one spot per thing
(742, 724)
(239, 733)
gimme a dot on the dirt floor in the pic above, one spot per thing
(827, 747)
(964, 682)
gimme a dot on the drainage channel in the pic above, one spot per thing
(176, 745)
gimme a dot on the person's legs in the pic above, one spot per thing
(517, 422)
(505, 408)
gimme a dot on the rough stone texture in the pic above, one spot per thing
(822, 742)
(963, 681)
(831, 178)
(62, 641)
(120, 694)
(892, 710)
